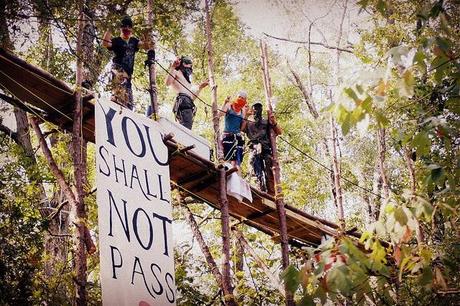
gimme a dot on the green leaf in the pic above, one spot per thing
(367, 104)
(443, 44)
(381, 6)
(351, 94)
(408, 85)
(400, 216)
(427, 276)
(307, 300)
(436, 9)
(453, 104)
(382, 121)
(347, 124)
(419, 60)
(291, 278)
(437, 174)
(337, 279)
(422, 142)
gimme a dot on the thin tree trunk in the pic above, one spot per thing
(314, 112)
(57, 173)
(79, 163)
(151, 64)
(201, 242)
(413, 184)
(382, 152)
(376, 189)
(273, 279)
(279, 200)
(227, 287)
(55, 241)
(239, 256)
(337, 178)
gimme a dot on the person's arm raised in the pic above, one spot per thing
(200, 87)
(171, 77)
(225, 107)
(107, 39)
(274, 125)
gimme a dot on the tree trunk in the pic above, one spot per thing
(151, 65)
(279, 200)
(273, 279)
(227, 287)
(413, 186)
(382, 152)
(337, 178)
(201, 242)
(79, 162)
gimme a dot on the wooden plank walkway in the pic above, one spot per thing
(39, 93)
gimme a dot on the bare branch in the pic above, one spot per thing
(311, 42)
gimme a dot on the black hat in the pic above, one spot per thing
(257, 104)
(126, 22)
(186, 60)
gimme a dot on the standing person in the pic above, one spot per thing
(232, 140)
(179, 79)
(257, 132)
(124, 47)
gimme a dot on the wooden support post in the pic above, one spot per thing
(276, 171)
(274, 280)
(227, 287)
(150, 62)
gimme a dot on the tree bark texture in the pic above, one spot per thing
(227, 287)
(201, 242)
(337, 178)
(381, 134)
(79, 163)
(279, 200)
(152, 69)
(273, 279)
(212, 82)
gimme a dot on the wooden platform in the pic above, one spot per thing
(39, 93)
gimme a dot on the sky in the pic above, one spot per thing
(291, 19)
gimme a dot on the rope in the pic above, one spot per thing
(287, 142)
(199, 99)
(41, 99)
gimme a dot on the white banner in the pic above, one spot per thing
(134, 209)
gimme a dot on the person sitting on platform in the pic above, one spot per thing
(179, 79)
(232, 139)
(124, 47)
(257, 132)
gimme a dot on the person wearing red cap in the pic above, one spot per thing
(124, 47)
(232, 140)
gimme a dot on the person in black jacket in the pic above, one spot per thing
(258, 133)
(124, 48)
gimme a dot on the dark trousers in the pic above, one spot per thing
(262, 164)
(184, 109)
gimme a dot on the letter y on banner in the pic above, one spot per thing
(134, 209)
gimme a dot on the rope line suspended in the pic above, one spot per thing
(197, 97)
(282, 138)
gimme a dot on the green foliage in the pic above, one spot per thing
(20, 230)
